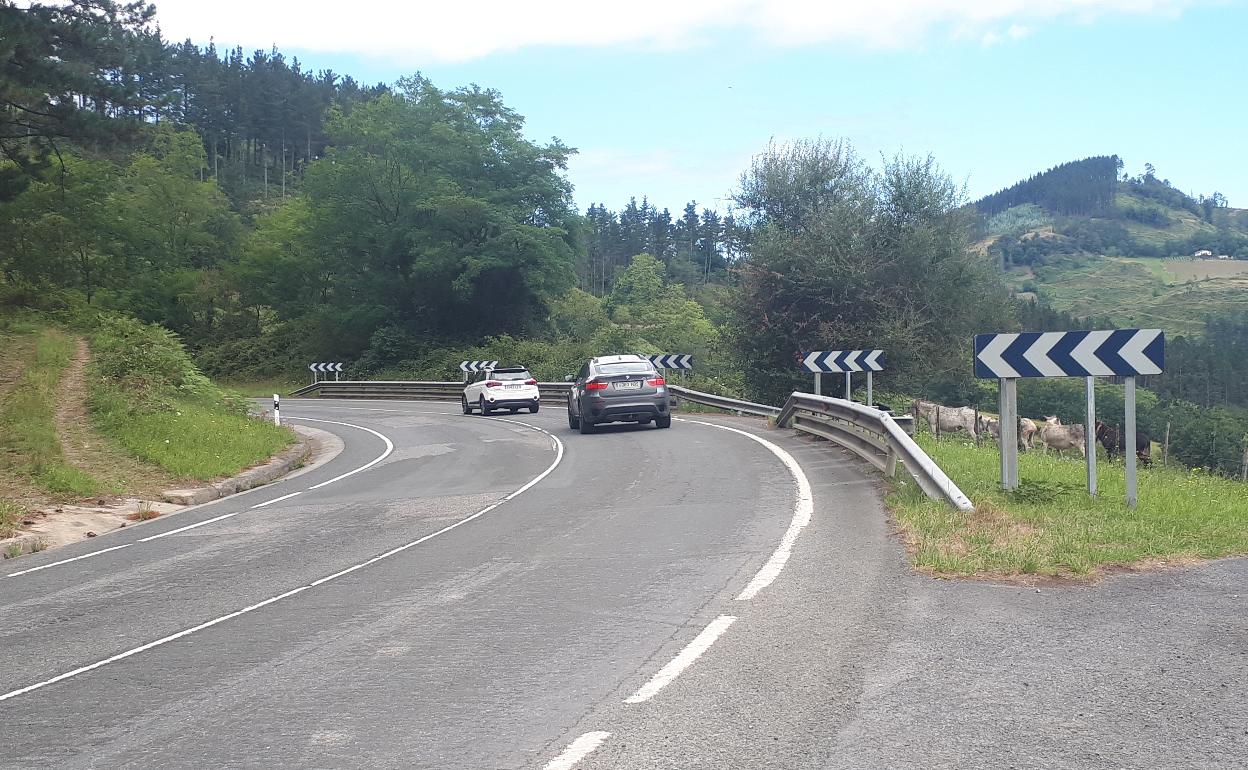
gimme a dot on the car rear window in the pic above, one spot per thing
(626, 367)
(521, 374)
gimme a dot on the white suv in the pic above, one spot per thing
(508, 387)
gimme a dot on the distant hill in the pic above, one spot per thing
(1086, 239)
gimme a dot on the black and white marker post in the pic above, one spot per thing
(1124, 353)
(847, 362)
(277, 409)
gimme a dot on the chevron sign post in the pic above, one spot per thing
(847, 361)
(320, 368)
(671, 361)
(468, 367)
(1125, 353)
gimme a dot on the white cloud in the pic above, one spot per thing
(423, 31)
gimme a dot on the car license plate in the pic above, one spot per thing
(633, 385)
(514, 387)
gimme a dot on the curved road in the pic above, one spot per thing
(462, 592)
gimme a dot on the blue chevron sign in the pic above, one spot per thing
(1121, 352)
(476, 366)
(839, 361)
(671, 361)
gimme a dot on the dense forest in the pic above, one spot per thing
(271, 216)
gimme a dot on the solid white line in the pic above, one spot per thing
(700, 644)
(188, 526)
(292, 592)
(578, 750)
(384, 455)
(801, 515)
(67, 561)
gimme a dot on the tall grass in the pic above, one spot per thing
(1050, 526)
(29, 444)
(148, 396)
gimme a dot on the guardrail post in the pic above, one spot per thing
(890, 464)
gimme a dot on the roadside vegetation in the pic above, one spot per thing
(1050, 526)
(29, 446)
(148, 396)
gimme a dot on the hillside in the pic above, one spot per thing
(1126, 257)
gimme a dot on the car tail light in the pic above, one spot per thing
(656, 382)
(597, 385)
(530, 382)
(493, 384)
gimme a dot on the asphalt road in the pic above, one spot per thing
(420, 613)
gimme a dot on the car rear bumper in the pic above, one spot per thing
(613, 410)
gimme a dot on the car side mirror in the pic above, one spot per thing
(570, 378)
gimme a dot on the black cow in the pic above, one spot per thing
(1115, 442)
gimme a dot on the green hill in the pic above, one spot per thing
(1084, 240)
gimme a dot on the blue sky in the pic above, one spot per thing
(672, 106)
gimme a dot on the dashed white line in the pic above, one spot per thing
(67, 561)
(802, 511)
(251, 608)
(379, 458)
(578, 750)
(700, 644)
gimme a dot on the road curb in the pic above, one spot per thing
(279, 466)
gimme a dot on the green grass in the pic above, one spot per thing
(10, 518)
(191, 437)
(1052, 527)
(29, 444)
(264, 388)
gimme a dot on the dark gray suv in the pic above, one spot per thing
(618, 389)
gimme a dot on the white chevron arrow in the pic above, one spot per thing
(809, 361)
(991, 356)
(1133, 351)
(851, 361)
(1037, 354)
(1085, 354)
(871, 361)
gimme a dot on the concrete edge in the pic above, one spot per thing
(279, 466)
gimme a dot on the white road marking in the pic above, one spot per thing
(67, 561)
(166, 639)
(189, 526)
(700, 644)
(379, 458)
(801, 515)
(382, 456)
(578, 750)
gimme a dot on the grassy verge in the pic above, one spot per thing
(10, 518)
(1051, 526)
(29, 444)
(264, 388)
(148, 396)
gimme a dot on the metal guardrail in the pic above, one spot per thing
(551, 392)
(874, 435)
(723, 402)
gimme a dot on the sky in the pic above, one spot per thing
(670, 100)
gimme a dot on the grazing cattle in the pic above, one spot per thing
(1115, 442)
(1026, 430)
(1059, 438)
(946, 419)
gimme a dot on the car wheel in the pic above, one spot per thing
(663, 422)
(484, 409)
(586, 425)
(533, 409)
(574, 422)
(463, 402)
